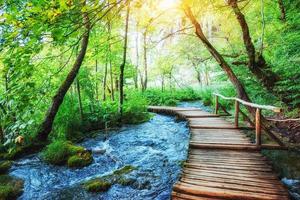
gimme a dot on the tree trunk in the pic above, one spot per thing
(1, 135)
(241, 92)
(145, 62)
(137, 58)
(124, 62)
(282, 10)
(104, 81)
(79, 99)
(46, 126)
(110, 65)
(257, 64)
(96, 70)
(218, 57)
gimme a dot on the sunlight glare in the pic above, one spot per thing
(168, 4)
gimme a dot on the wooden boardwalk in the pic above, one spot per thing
(219, 164)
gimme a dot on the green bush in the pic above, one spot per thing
(170, 97)
(56, 153)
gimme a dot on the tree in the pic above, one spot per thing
(124, 61)
(256, 61)
(57, 100)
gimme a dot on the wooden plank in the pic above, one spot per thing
(258, 175)
(233, 186)
(181, 196)
(225, 193)
(247, 180)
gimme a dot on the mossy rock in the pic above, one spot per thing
(10, 187)
(125, 181)
(80, 160)
(97, 185)
(104, 183)
(64, 152)
(4, 166)
(124, 170)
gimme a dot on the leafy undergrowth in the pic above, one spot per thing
(65, 153)
(103, 184)
(170, 97)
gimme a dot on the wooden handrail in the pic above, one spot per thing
(258, 114)
(253, 105)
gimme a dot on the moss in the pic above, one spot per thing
(125, 181)
(117, 177)
(10, 187)
(97, 185)
(81, 160)
(64, 152)
(124, 170)
(4, 166)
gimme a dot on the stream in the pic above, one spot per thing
(156, 148)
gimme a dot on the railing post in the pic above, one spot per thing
(217, 105)
(258, 126)
(236, 115)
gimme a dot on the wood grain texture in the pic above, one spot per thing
(222, 162)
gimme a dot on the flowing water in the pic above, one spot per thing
(156, 148)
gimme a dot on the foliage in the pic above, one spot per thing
(170, 97)
(10, 187)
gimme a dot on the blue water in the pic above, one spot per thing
(156, 148)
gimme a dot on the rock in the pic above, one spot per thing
(97, 185)
(99, 151)
(80, 160)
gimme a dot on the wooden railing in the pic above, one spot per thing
(258, 114)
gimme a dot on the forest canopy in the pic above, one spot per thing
(72, 66)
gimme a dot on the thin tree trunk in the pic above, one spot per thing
(46, 126)
(282, 10)
(124, 62)
(145, 62)
(110, 65)
(79, 99)
(257, 63)
(1, 135)
(96, 70)
(104, 81)
(137, 58)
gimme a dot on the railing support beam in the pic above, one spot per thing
(258, 126)
(236, 115)
(217, 105)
